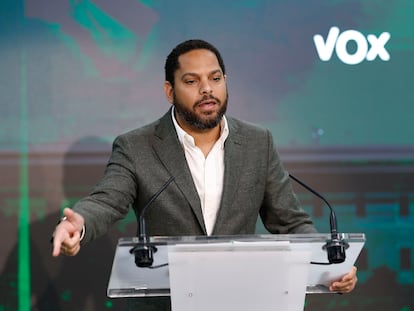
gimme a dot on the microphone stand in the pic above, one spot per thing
(335, 246)
(144, 250)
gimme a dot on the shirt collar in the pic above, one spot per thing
(183, 136)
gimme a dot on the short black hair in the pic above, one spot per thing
(171, 63)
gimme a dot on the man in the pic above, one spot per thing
(226, 172)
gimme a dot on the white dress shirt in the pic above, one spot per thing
(207, 172)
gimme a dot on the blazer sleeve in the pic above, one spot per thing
(111, 198)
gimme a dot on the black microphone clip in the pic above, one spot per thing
(335, 247)
(144, 253)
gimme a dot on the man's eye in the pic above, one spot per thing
(217, 78)
(190, 82)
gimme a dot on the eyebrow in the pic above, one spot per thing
(195, 74)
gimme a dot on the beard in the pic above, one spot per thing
(202, 121)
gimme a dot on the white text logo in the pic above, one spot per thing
(367, 48)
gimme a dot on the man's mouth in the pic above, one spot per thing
(207, 104)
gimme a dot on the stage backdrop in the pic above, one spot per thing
(332, 80)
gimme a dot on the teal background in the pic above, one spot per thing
(74, 74)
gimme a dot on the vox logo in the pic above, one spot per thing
(366, 48)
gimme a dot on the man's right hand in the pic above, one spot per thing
(66, 238)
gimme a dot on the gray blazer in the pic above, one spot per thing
(142, 160)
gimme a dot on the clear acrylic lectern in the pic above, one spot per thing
(255, 272)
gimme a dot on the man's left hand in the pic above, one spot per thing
(346, 284)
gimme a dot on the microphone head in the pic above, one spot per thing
(144, 255)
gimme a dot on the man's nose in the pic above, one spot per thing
(205, 87)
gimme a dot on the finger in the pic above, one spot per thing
(61, 238)
(70, 251)
(73, 218)
(351, 275)
(62, 249)
(72, 241)
(343, 286)
(56, 249)
(346, 289)
(71, 245)
(69, 214)
(57, 243)
(73, 251)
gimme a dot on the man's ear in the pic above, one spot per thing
(169, 91)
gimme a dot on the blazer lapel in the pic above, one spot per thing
(171, 154)
(233, 162)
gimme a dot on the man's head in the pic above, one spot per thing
(172, 64)
(196, 85)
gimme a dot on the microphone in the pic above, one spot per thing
(335, 246)
(144, 251)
